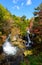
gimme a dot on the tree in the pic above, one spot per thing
(37, 29)
(23, 18)
(21, 23)
(38, 19)
(5, 20)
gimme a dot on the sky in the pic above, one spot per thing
(21, 7)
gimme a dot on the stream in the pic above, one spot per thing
(12, 53)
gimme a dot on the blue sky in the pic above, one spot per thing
(21, 7)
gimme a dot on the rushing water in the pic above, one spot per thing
(11, 54)
(29, 42)
(8, 48)
(12, 50)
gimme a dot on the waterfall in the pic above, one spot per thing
(29, 40)
(8, 48)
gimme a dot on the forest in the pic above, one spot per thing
(18, 26)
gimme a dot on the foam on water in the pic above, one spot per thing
(29, 40)
(8, 48)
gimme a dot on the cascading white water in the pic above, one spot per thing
(8, 48)
(29, 41)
